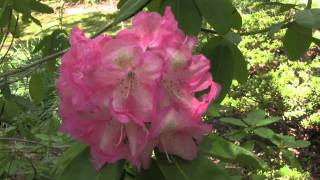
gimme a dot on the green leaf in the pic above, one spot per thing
(22, 6)
(308, 18)
(11, 109)
(153, 172)
(240, 73)
(155, 5)
(187, 15)
(218, 13)
(5, 16)
(225, 150)
(289, 141)
(111, 171)
(254, 117)
(297, 144)
(236, 20)
(236, 135)
(36, 88)
(200, 168)
(40, 7)
(232, 38)
(249, 145)
(214, 110)
(291, 158)
(4, 162)
(258, 177)
(297, 41)
(264, 132)
(74, 151)
(121, 3)
(6, 91)
(275, 28)
(267, 121)
(130, 8)
(221, 64)
(36, 21)
(248, 160)
(233, 121)
(45, 41)
(80, 168)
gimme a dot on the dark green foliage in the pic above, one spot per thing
(297, 41)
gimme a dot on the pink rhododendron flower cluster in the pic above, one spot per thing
(127, 95)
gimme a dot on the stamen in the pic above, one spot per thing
(121, 135)
(130, 83)
(166, 152)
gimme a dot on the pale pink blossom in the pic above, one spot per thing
(126, 95)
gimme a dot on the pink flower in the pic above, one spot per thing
(126, 95)
(132, 75)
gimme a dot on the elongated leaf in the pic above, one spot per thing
(111, 171)
(308, 18)
(236, 135)
(291, 158)
(218, 13)
(5, 16)
(40, 7)
(200, 168)
(80, 168)
(249, 145)
(225, 150)
(297, 144)
(76, 164)
(153, 172)
(130, 8)
(36, 88)
(187, 14)
(11, 109)
(46, 41)
(121, 3)
(222, 64)
(275, 28)
(240, 71)
(236, 20)
(267, 121)
(156, 5)
(297, 41)
(232, 38)
(254, 117)
(264, 132)
(22, 6)
(233, 121)
(75, 149)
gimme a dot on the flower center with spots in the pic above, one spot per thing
(124, 60)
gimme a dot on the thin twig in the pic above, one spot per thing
(49, 57)
(30, 142)
(248, 33)
(11, 43)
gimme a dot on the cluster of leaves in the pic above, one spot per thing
(215, 153)
(285, 88)
(10, 11)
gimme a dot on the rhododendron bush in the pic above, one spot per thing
(129, 94)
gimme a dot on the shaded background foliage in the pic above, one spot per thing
(260, 53)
